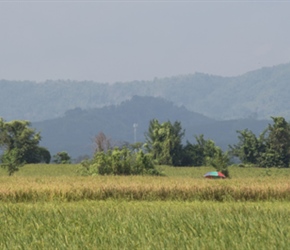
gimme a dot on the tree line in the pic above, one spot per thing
(163, 143)
(163, 146)
(270, 149)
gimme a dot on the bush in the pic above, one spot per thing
(119, 162)
(62, 158)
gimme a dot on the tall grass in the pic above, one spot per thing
(145, 225)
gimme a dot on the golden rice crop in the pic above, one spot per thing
(32, 189)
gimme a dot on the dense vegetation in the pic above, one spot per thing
(119, 162)
(163, 145)
(271, 148)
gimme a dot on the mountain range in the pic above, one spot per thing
(261, 93)
(70, 114)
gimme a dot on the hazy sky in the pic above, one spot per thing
(109, 41)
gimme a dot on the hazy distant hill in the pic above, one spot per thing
(75, 131)
(261, 93)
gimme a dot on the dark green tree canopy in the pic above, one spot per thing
(270, 149)
(62, 158)
(249, 148)
(20, 145)
(199, 153)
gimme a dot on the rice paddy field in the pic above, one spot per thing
(51, 207)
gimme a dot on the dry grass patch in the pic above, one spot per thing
(33, 189)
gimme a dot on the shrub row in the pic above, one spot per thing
(119, 162)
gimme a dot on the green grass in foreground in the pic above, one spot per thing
(188, 172)
(145, 225)
(45, 170)
(121, 222)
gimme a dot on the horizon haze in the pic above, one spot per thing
(121, 41)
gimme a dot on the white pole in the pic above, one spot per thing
(135, 125)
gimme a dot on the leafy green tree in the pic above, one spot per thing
(206, 147)
(277, 151)
(199, 154)
(42, 155)
(12, 161)
(62, 158)
(205, 152)
(270, 149)
(249, 148)
(163, 141)
(19, 143)
(192, 155)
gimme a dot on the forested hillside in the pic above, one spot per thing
(76, 130)
(261, 94)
